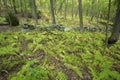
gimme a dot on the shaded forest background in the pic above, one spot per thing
(66, 11)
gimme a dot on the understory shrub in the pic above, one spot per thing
(12, 19)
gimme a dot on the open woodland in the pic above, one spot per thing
(59, 40)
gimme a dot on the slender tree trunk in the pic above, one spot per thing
(17, 5)
(35, 11)
(65, 10)
(92, 10)
(21, 6)
(52, 12)
(98, 14)
(5, 4)
(72, 9)
(25, 10)
(88, 10)
(77, 11)
(14, 7)
(54, 3)
(80, 15)
(116, 27)
(60, 8)
(1, 5)
(0, 2)
(108, 18)
(88, 7)
(11, 6)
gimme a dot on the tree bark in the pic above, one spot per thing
(52, 12)
(65, 10)
(60, 8)
(108, 19)
(92, 10)
(25, 10)
(116, 27)
(0, 5)
(5, 3)
(35, 11)
(14, 7)
(80, 15)
(88, 8)
(21, 6)
(72, 9)
(88, 11)
(1, 2)
(98, 14)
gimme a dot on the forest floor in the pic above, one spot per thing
(57, 55)
(3, 28)
(42, 54)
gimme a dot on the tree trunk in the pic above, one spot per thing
(5, 3)
(88, 8)
(35, 11)
(80, 15)
(72, 9)
(92, 10)
(55, 5)
(60, 8)
(116, 27)
(0, 5)
(98, 14)
(108, 18)
(65, 10)
(52, 12)
(25, 10)
(21, 6)
(1, 2)
(14, 7)
(77, 11)
(11, 6)
(88, 11)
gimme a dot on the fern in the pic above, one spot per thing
(29, 73)
(75, 69)
(61, 76)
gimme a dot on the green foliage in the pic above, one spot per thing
(2, 20)
(71, 59)
(100, 66)
(61, 76)
(9, 44)
(12, 19)
(10, 64)
(75, 69)
(31, 73)
(55, 51)
(8, 50)
(29, 15)
(46, 54)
